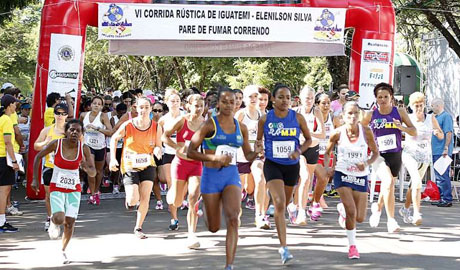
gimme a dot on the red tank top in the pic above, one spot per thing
(65, 167)
(185, 134)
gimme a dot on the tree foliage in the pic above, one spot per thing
(8, 6)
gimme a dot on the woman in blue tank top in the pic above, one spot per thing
(281, 129)
(386, 124)
(220, 137)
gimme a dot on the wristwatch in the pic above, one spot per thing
(14, 161)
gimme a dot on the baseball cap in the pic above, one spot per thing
(7, 85)
(351, 94)
(148, 93)
(249, 90)
(61, 106)
(25, 106)
(7, 100)
(117, 93)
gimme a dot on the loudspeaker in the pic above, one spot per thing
(405, 79)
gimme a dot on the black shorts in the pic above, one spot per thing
(99, 155)
(288, 173)
(47, 175)
(118, 154)
(244, 167)
(393, 161)
(148, 174)
(107, 150)
(312, 155)
(7, 175)
(167, 159)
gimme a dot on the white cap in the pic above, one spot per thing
(117, 93)
(249, 90)
(7, 85)
(148, 93)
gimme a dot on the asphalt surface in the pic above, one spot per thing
(103, 239)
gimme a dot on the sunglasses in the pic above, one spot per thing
(157, 111)
(61, 113)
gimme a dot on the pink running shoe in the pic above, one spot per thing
(91, 200)
(353, 253)
(198, 207)
(316, 211)
(97, 199)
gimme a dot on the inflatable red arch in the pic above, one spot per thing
(371, 20)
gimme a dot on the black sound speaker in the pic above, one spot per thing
(405, 79)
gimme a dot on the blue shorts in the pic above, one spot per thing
(358, 183)
(214, 180)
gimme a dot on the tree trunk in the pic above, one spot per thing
(178, 70)
(338, 68)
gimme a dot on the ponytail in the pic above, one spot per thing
(2, 110)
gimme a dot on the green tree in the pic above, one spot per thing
(8, 6)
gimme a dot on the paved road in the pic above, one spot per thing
(103, 239)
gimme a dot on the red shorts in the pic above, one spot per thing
(182, 169)
(321, 160)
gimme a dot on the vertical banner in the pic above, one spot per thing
(375, 68)
(64, 64)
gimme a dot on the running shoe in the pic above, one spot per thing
(292, 212)
(47, 224)
(106, 182)
(7, 228)
(353, 253)
(416, 219)
(229, 267)
(131, 207)
(286, 256)
(97, 198)
(374, 220)
(13, 211)
(333, 193)
(393, 226)
(65, 260)
(116, 189)
(250, 204)
(271, 210)
(310, 198)
(54, 230)
(301, 218)
(92, 200)
(193, 242)
(184, 205)
(140, 234)
(199, 207)
(244, 194)
(174, 226)
(159, 205)
(267, 224)
(405, 214)
(316, 211)
(342, 215)
(15, 204)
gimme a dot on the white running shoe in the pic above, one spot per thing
(342, 215)
(301, 218)
(54, 230)
(416, 219)
(405, 214)
(47, 225)
(374, 220)
(393, 226)
(13, 211)
(65, 260)
(193, 242)
(116, 189)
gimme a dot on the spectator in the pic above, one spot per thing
(337, 105)
(4, 87)
(443, 148)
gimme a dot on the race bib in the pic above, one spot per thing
(281, 149)
(138, 161)
(67, 179)
(322, 148)
(227, 150)
(422, 146)
(387, 142)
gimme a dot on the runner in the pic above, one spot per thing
(141, 139)
(264, 98)
(322, 177)
(239, 100)
(352, 167)
(281, 129)
(416, 155)
(65, 188)
(172, 100)
(7, 172)
(48, 134)
(184, 171)
(386, 124)
(250, 117)
(221, 136)
(120, 110)
(97, 126)
(309, 158)
(157, 113)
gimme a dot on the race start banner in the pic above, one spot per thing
(221, 23)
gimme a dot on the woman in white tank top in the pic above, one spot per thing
(97, 126)
(417, 156)
(351, 170)
(309, 158)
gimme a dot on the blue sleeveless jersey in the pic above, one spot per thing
(281, 137)
(221, 138)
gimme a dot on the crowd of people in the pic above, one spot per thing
(212, 151)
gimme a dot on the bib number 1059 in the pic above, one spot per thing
(281, 149)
